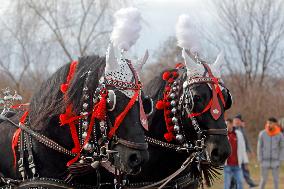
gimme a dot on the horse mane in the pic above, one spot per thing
(155, 87)
(48, 102)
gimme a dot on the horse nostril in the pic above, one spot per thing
(214, 155)
(135, 160)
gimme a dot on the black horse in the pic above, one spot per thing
(87, 87)
(185, 115)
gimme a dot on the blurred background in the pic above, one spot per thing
(39, 36)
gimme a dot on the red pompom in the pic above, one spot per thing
(169, 121)
(167, 88)
(168, 104)
(160, 105)
(179, 65)
(171, 80)
(169, 137)
(175, 74)
(64, 87)
(166, 75)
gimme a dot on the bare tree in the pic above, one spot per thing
(79, 27)
(37, 36)
(252, 35)
(19, 47)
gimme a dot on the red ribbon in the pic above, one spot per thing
(69, 117)
(122, 115)
(99, 112)
(204, 110)
(16, 136)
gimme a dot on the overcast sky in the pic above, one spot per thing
(160, 17)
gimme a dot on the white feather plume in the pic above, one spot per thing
(126, 28)
(186, 36)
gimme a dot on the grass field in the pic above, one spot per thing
(255, 172)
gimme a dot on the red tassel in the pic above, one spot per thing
(160, 105)
(169, 121)
(64, 88)
(171, 80)
(179, 65)
(170, 129)
(63, 119)
(166, 75)
(169, 136)
(168, 113)
(100, 112)
(15, 144)
(168, 104)
(175, 75)
(167, 88)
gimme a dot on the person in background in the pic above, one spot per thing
(232, 168)
(239, 124)
(270, 151)
(281, 124)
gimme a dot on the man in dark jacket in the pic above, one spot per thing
(270, 151)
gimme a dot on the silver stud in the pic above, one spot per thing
(85, 124)
(174, 110)
(172, 95)
(173, 103)
(176, 128)
(174, 88)
(179, 137)
(102, 128)
(84, 113)
(175, 120)
(84, 135)
(85, 96)
(85, 88)
(85, 105)
(88, 147)
(95, 100)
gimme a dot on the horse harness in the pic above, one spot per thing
(93, 151)
(179, 97)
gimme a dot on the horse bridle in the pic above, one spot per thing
(181, 92)
(95, 150)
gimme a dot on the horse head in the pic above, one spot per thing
(204, 101)
(203, 98)
(124, 95)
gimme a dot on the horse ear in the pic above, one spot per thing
(145, 58)
(191, 65)
(111, 62)
(216, 66)
(219, 60)
(140, 62)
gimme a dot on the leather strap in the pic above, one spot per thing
(216, 132)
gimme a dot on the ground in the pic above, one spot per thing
(255, 172)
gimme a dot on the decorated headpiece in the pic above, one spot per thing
(187, 40)
(198, 70)
(125, 34)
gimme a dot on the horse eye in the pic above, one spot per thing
(197, 98)
(148, 105)
(111, 100)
